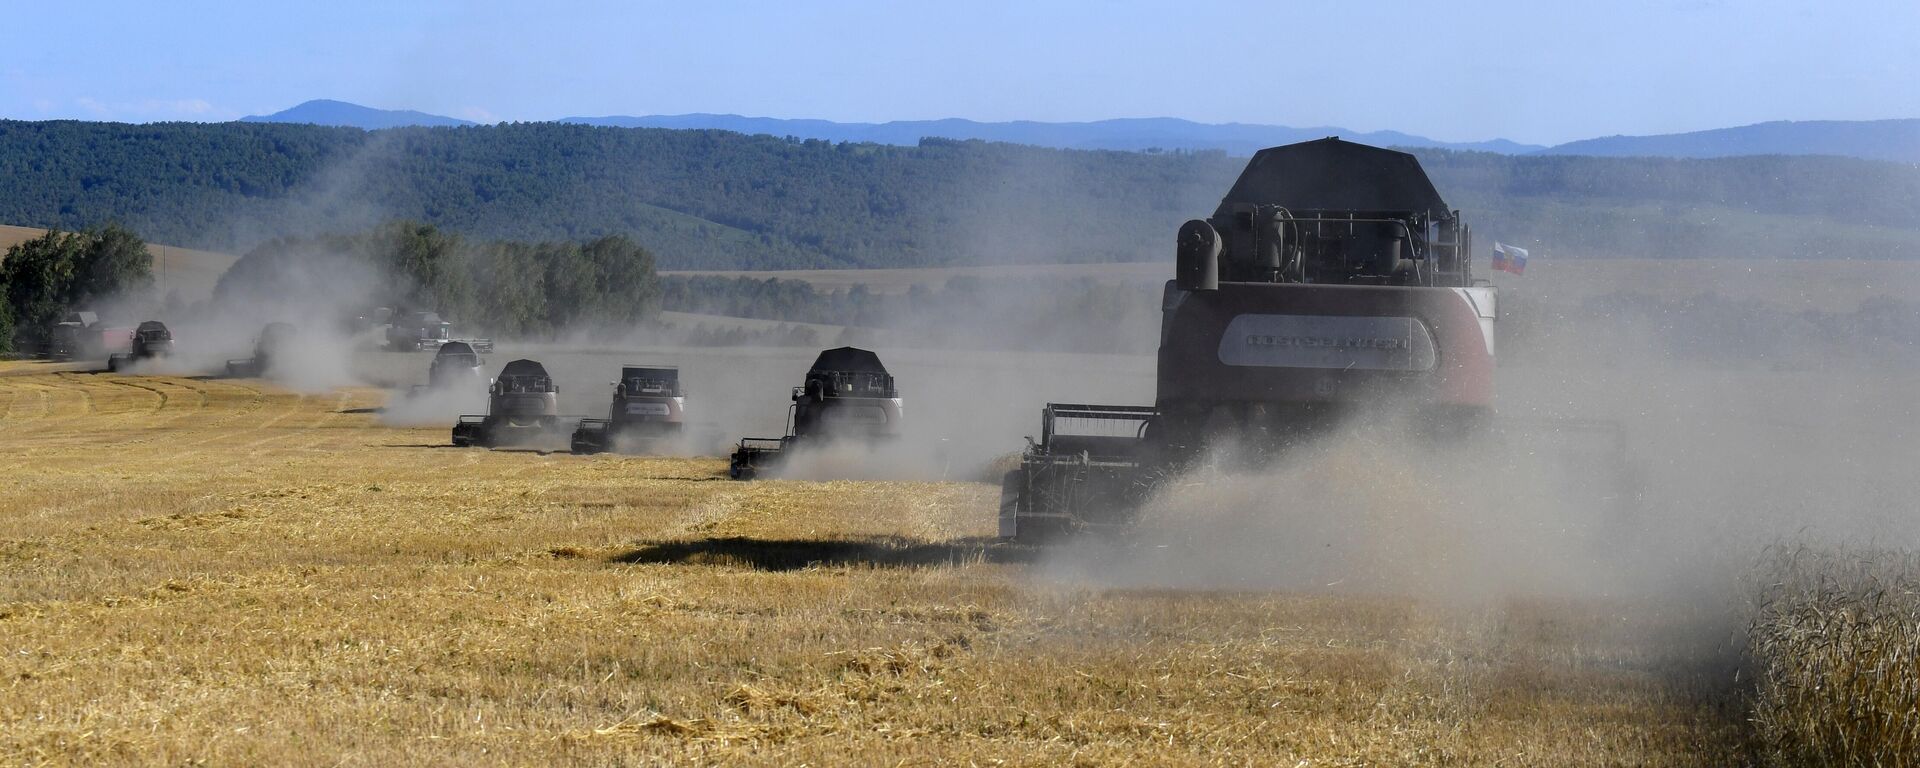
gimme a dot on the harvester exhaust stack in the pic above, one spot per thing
(1198, 251)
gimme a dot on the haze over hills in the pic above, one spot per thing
(1892, 140)
(1125, 134)
(1895, 140)
(724, 200)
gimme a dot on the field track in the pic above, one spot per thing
(210, 570)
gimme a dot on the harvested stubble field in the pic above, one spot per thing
(200, 570)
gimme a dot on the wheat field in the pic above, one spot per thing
(214, 571)
(1834, 650)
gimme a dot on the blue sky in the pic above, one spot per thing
(1541, 72)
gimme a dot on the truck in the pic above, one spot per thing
(426, 331)
(82, 335)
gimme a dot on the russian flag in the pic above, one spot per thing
(1507, 258)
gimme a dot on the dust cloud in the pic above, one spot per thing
(316, 293)
(1642, 475)
(1720, 454)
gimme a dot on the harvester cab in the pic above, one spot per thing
(1332, 281)
(149, 341)
(274, 340)
(523, 406)
(648, 406)
(847, 396)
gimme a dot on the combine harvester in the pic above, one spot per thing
(649, 408)
(1331, 282)
(456, 367)
(848, 396)
(274, 339)
(523, 407)
(150, 341)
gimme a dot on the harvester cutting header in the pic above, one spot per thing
(1331, 279)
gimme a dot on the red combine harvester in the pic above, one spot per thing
(1332, 281)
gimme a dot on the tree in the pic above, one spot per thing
(59, 272)
(630, 289)
(38, 275)
(428, 261)
(114, 264)
(6, 327)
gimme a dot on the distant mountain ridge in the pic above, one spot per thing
(341, 114)
(1889, 140)
(1895, 140)
(1124, 134)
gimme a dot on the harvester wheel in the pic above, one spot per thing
(1027, 517)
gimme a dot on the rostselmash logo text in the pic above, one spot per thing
(1325, 342)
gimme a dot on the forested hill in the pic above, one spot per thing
(716, 200)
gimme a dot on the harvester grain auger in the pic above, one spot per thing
(847, 396)
(1331, 282)
(275, 339)
(523, 406)
(649, 408)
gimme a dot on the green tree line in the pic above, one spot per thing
(720, 200)
(43, 279)
(1063, 313)
(511, 288)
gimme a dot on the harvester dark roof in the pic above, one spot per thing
(1330, 174)
(848, 359)
(523, 368)
(656, 372)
